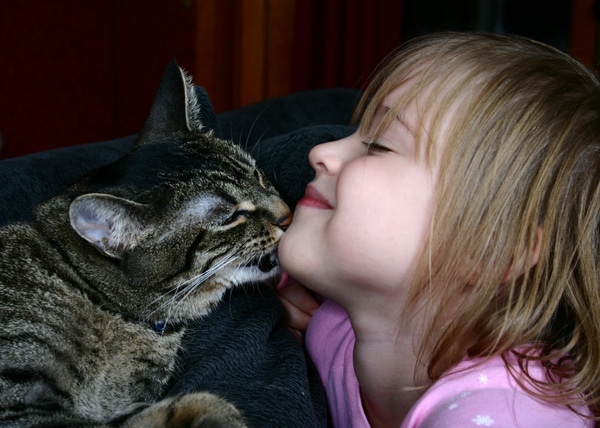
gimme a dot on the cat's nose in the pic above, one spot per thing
(284, 222)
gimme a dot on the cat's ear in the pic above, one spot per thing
(175, 107)
(113, 225)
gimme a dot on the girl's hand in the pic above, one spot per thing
(298, 303)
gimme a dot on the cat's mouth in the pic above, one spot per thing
(265, 262)
(264, 267)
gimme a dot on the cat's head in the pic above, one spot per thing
(185, 215)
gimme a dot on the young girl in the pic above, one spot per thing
(455, 240)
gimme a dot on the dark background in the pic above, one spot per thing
(74, 71)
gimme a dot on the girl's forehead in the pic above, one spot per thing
(429, 107)
(428, 92)
(409, 100)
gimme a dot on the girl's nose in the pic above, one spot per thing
(327, 158)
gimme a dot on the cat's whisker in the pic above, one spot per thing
(183, 290)
(189, 286)
(252, 127)
(180, 289)
(257, 142)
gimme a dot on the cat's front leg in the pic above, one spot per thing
(200, 409)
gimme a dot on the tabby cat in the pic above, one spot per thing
(97, 290)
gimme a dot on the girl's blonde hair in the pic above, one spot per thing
(520, 177)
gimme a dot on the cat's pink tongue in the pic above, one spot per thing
(284, 281)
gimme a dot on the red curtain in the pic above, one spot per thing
(338, 43)
(91, 68)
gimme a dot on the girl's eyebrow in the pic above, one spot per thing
(400, 117)
(382, 110)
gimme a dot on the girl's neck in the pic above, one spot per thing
(385, 363)
(382, 415)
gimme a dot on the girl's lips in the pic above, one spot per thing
(312, 198)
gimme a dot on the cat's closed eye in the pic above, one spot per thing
(241, 213)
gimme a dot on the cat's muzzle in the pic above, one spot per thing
(265, 262)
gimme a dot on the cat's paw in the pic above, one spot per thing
(200, 409)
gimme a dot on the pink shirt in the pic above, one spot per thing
(481, 396)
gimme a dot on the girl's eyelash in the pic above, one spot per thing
(375, 147)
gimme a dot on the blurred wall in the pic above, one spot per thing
(73, 72)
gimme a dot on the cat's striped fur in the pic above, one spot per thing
(97, 290)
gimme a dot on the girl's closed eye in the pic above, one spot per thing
(373, 147)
